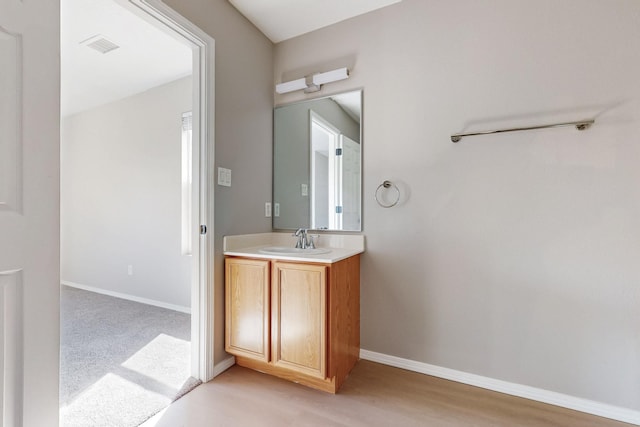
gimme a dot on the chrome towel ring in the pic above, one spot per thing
(388, 184)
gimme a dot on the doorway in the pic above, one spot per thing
(335, 177)
(120, 185)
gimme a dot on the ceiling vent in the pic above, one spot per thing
(100, 43)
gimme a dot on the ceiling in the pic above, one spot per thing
(283, 19)
(351, 103)
(147, 57)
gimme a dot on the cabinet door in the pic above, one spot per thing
(247, 308)
(299, 317)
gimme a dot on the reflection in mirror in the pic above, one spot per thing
(317, 164)
(10, 95)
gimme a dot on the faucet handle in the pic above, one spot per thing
(311, 244)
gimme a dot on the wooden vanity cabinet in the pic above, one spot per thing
(247, 296)
(305, 328)
(299, 317)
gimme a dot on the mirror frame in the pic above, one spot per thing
(273, 163)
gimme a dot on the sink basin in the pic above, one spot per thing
(284, 250)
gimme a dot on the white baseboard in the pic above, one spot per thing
(128, 297)
(223, 366)
(532, 393)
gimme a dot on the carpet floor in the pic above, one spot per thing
(120, 361)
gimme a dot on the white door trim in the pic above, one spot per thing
(158, 13)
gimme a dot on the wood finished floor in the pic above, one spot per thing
(373, 395)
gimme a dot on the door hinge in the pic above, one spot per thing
(338, 209)
(338, 151)
(203, 230)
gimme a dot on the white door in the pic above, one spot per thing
(350, 183)
(29, 212)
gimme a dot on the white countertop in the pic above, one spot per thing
(248, 245)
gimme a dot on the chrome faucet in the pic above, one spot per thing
(305, 240)
(301, 234)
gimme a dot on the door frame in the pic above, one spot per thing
(334, 172)
(159, 14)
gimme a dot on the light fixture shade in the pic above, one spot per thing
(330, 76)
(291, 86)
(312, 83)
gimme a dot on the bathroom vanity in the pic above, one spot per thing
(292, 304)
(291, 313)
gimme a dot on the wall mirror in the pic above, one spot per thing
(317, 164)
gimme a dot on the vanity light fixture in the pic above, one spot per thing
(312, 83)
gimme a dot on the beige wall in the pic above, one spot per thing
(125, 156)
(512, 256)
(243, 130)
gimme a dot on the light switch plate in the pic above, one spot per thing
(224, 177)
(267, 209)
(276, 209)
(304, 189)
